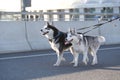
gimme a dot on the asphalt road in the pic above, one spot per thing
(38, 65)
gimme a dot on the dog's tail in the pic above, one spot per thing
(101, 39)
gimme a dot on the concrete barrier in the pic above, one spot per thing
(16, 36)
(111, 32)
(12, 37)
(37, 41)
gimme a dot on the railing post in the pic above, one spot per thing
(81, 16)
(67, 16)
(55, 16)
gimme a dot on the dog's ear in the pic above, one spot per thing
(52, 23)
(74, 31)
(47, 23)
(69, 30)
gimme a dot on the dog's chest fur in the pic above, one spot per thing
(54, 46)
(78, 47)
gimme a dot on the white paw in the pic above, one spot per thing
(75, 65)
(63, 59)
(85, 62)
(94, 63)
(56, 65)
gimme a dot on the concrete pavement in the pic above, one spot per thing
(38, 65)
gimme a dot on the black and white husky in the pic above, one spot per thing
(57, 41)
(84, 44)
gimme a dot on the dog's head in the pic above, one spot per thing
(48, 30)
(73, 36)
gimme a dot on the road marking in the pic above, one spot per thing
(29, 56)
(109, 48)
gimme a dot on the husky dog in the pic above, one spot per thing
(84, 44)
(57, 41)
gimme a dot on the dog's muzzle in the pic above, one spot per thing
(43, 33)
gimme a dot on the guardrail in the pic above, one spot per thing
(55, 16)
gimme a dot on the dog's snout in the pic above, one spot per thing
(41, 30)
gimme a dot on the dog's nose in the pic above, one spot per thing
(41, 30)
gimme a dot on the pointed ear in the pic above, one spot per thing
(69, 30)
(52, 23)
(47, 23)
(74, 31)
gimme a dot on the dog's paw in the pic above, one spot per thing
(55, 64)
(93, 63)
(72, 62)
(63, 59)
(75, 65)
(85, 63)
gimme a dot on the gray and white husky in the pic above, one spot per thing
(57, 41)
(84, 44)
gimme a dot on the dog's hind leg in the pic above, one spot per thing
(94, 61)
(85, 57)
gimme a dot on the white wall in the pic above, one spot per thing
(12, 37)
(25, 36)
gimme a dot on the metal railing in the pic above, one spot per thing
(55, 16)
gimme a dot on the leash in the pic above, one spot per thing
(96, 26)
(99, 24)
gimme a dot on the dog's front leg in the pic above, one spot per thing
(59, 58)
(72, 51)
(76, 55)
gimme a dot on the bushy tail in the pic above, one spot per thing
(101, 39)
